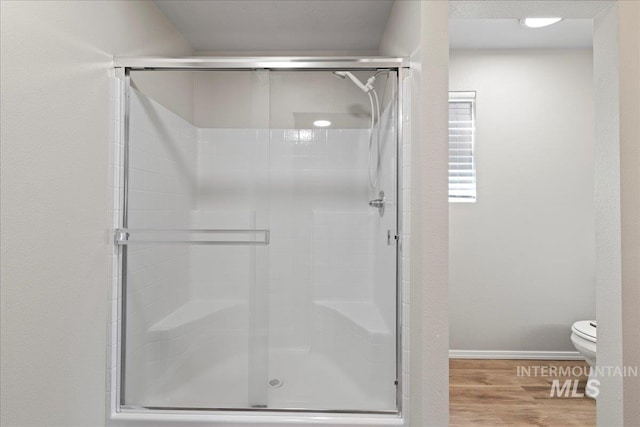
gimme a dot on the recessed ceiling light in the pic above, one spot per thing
(539, 22)
(322, 123)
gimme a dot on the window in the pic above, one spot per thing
(462, 169)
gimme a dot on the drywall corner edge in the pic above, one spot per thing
(607, 201)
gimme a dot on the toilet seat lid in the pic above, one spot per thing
(585, 329)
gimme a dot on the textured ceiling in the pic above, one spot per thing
(509, 34)
(357, 26)
(280, 25)
(494, 24)
(504, 9)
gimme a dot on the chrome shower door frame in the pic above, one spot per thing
(123, 66)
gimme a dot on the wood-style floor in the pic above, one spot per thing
(490, 393)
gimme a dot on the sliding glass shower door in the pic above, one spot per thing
(333, 256)
(196, 252)
(258, 242)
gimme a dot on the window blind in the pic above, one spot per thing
(462, 171)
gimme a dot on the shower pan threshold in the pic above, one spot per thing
(310, 380)
(141, 417)
(293, 367)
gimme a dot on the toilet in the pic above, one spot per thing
(583, 337)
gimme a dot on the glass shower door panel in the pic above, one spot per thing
(196, 251)
(332, 288)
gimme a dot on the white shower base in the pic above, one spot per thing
(198, 359)
(310, 381)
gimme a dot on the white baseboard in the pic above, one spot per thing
(507, 354)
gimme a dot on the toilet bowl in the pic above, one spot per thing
(583, 337)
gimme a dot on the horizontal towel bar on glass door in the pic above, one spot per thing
(128, 236)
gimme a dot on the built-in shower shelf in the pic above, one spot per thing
(193, 312)
(364, 314)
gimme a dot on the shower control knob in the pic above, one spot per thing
(378, 203)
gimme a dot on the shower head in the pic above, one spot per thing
(375, 113)
(364, 87)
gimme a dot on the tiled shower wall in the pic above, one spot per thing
(321, 236)
(327, 244)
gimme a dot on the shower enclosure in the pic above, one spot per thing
(258, 234)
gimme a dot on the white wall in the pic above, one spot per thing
(419, 30)
(523, 256)
(606, 70)
(56, 199)
(629, 16)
